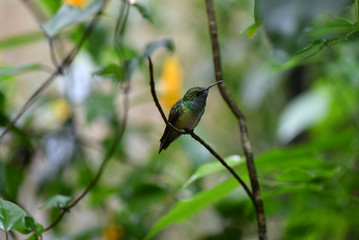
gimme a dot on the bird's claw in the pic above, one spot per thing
(188, 131)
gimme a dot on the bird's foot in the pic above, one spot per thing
(188, 131)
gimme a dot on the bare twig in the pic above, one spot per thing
(258, 203)
(120, 28)
(29, 102)
(193, 135)
(53, 53)
(65, 63)
(105, 161)
(40, 17)
(35, 10)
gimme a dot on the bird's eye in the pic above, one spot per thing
(198, 94)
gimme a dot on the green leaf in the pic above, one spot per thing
(2, 177)
(113, 71)
(31, 225)
(52, 5)
(213, 167)
(251, 31)
(19, 40)
(57, 201)
(143, 11)
(6, 71)
(70, 15)
(11, 216)
(151, 47)
(185, 209)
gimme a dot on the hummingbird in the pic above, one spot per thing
(185, 113)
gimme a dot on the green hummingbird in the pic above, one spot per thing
(185, 113)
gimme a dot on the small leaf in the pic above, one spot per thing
(69, 15)
(31, 225)
(151, 47)
(19, 40)
(209, 168)
(113, 71)
(5, 71)
(251, 31)
(57, 201)
(11, 216)
(186, 209)
(143, 11)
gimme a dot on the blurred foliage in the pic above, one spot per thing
(291, 65)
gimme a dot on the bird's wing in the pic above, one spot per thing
(176, 111)
(169, 134)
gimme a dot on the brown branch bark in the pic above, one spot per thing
(193, 135)
(258, 203)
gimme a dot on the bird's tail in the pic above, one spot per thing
(168, 137)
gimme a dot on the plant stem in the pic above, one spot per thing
(258, 203)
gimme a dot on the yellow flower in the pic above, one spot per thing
(61, 109)
(171, 81)
(78, 3)
(112, 232)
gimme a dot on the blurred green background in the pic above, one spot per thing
(292, 67)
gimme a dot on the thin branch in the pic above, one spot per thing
(193, 135)
(105, 161)
(68, 60)
(155, 99)
(35, 10)
(40, 18)
(120, 28)
(57, 220)
(65, 63)
(258, 203)
(53, 53)
(29, 102)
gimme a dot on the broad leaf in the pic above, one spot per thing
(151, 47)
(209, 168)
(57, 201)
(69, 15)
(11, 216)
(19, 69)
(186, 209)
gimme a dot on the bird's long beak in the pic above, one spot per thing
(213, 85)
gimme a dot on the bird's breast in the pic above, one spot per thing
(188, 120)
